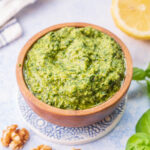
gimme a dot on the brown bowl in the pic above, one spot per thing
(72, 118)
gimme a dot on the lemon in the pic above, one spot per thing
(132, 17)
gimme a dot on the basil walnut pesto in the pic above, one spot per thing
(74, 68)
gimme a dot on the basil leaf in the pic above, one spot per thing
(148, 71)
(139, 141)
(143, 124)
(138, 74)
(148, 88)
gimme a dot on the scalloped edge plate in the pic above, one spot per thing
(66, 135)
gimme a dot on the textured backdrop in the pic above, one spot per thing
(49, 12)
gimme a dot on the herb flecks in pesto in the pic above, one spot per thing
(74, 68)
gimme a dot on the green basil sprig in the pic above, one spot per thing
(141, 139)
(143, 124)
(148, 87)
(140, 74)
(138, 141)
(148, 71)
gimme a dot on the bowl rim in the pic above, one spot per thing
(57, 111)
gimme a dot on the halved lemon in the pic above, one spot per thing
(132, 17)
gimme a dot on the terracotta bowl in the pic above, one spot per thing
(72, 118)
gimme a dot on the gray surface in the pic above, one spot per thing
(49, 12)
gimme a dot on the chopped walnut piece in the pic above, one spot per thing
(24, 135)
(6, 136)
(14, 138)
(42, 147)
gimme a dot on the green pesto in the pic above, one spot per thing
(74, 68)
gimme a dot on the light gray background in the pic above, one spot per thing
(45, 13)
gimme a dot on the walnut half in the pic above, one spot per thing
(14, 138)
(42, 147)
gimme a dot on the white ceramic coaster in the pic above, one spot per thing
(65, 135)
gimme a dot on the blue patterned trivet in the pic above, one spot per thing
(66, 135)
